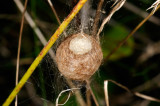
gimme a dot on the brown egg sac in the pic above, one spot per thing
(79, 56)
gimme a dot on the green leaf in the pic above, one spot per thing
(111, 39)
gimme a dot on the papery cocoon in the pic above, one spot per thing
(79, 56)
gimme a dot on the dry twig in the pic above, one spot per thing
(141, 13)
(115, 7)
(54, 11)
(130, 34)
(154, 6)
(88, 97)
(90, 89)
(97, 18)
(19, 48)
(62, 93)
(77, 93)
(106, 92)
(135, 93)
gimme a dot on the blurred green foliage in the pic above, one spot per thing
(110, 40)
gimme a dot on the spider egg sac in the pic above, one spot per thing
(79, 56)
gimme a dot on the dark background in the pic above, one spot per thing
(125, 66)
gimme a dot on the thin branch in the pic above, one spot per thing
(143, 14)
(19, 48)
(88, 97)
(94, 98)
(120, 85)
(77, 93)
(154, 6)
(97, 18)
(34, 27)
(54, 11)
(106, 92)
(135, 93)
(129, 35)
(90, 89)
(146, 97)
(115, 7)
(62, 93)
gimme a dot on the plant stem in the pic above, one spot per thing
(130, 34)
(106, 92)
(96, 20)
(54, 11)
(135, 93)
(91, 91)
(77, 93)
(19, 48)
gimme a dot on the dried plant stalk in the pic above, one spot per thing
(135, 93)
(97, 18)
(131, 33)
(19, 48)
(67, 90)
(154, 6)
(115, 7)
(88, 97)
(92, 94)
(54, 11)
(78, 95)
(106, 92)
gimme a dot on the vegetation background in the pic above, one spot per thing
(136, 64)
